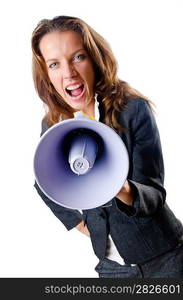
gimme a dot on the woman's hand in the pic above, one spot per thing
(126, 194)
(83, 228)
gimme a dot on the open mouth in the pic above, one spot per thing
(75, 90)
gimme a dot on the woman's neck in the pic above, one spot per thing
(90, 109)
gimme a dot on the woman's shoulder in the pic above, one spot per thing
(136, 103)
(44, 126)
(137, 107)
(135, 110)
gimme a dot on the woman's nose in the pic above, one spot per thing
(68, 71)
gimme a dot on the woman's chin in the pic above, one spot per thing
(78, 104)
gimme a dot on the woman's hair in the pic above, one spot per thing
(112, 92)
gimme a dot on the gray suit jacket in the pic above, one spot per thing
(148, 228)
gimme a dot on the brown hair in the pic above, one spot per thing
(112, 92)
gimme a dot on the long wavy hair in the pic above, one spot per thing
(113, 93)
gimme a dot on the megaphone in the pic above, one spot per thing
(80, 163)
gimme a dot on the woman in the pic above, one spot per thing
(135, 234)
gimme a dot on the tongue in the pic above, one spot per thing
(76, 92)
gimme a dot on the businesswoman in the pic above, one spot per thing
(135, 234)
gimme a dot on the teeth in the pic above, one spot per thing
(73, 87)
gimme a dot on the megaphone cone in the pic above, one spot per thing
(83, 147)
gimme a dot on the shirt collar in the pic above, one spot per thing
(96, 111)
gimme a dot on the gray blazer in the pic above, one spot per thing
(148, 228)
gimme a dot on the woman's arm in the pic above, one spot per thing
(126, 194)
(69, 217)
(144, 189)
(83, 228)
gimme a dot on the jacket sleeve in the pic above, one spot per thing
(69, 217)
(146, 163)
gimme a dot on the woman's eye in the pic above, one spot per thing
(53, 65)
(79, 57)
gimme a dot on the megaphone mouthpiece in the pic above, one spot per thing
(82, 154)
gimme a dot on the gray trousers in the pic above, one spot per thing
(168, 265)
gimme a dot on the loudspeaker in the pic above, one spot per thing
(80, 163)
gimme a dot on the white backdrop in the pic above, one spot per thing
(146, 37)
